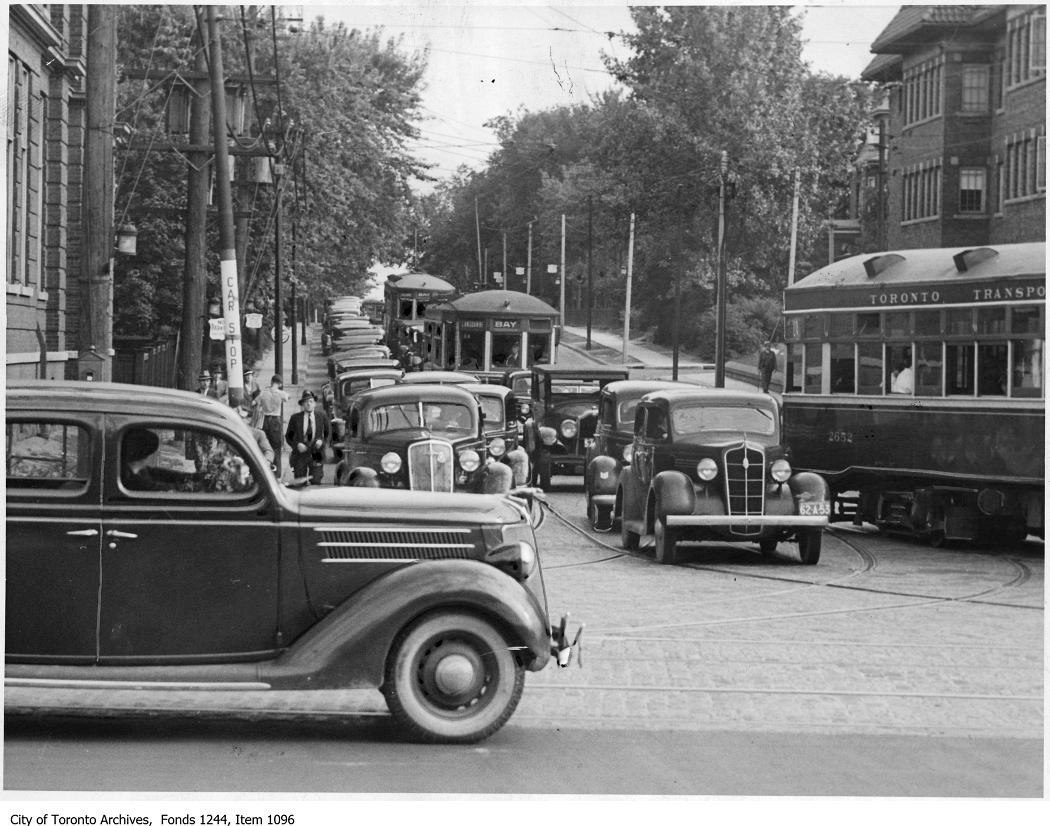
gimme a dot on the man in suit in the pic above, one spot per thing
(308, 432)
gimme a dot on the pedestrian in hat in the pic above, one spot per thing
(767, 364)
(270, 411)
(203, 383)
(260, 437)
(307, 435)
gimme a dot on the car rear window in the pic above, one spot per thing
(701, 418)
(48, 455)
(492, 408)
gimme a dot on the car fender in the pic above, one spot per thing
(674, 494)
(350, 646)
(808, 487)
(603, 475)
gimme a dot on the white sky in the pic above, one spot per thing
(489, 59)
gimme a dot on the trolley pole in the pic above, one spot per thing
(528, 265)
(590, 278)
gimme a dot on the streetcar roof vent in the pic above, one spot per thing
(969, 258)
(881, 263)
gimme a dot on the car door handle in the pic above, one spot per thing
(122, 535)
(85, 532)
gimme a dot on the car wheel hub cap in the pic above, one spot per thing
(454, 675)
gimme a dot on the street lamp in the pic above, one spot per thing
(126, 238)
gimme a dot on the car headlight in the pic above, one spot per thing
(706, 469)
(469, 460)
(569, 428)
(497, 447)
(628, 453)
(780, 470)
(390, 463)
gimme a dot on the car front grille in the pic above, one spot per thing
(431, 465)
(745, 488)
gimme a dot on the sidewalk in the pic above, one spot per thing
(607, 347)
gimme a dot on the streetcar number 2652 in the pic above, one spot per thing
(841, 436)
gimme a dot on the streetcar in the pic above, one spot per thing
(490, 332)
(406, 299)
(915, 385)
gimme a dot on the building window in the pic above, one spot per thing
(922, 193)
(975, 88)
(971, 190)
(922, 91)
(1026, 47)
(1025, 166)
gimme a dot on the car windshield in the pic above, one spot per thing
(444, 416)
(523, 385)
(575, 389)
(351, 386)
(492, 409)
(702, 418)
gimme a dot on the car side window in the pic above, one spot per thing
(639, 421)
(656, 425)
(47, 455)
(182, 460)
(608, 414)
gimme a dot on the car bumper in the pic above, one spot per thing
(776, 521)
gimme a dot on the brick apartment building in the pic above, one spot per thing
(45, 138)
(960, 156)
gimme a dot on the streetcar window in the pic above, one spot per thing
(991, 370)
(869, 368)
(898, 325)
(959, 323)
(841, 325)
(900, 374)
(1027, 369)
(959, 369)
(793, 369)
(991, 320)
(539, 349)
(930, 363)
(842, 368)
(471, 349)
(869, 324)
(1026, 320)
(405, 309)
(814, 371)
(792, 329)
(813, 326)
(927, 322)
(503, 349)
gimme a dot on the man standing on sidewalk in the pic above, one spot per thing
(271, 412)
(307, 435)
(767, 364)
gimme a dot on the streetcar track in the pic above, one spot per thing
(869, 563)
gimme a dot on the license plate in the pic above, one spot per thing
(814, 508)
(588, 443)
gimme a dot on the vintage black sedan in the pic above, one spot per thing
(418, 437)
(610, 448)
(150, 545)
(499, 418)
(336, 395)
(710, 464)
(564, 411)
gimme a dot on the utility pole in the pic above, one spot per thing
(278, 308)
(194, 278)
(506, 275)
(231, 306)
(528, 264)
(590, 278)
(720, 323)
(794, 232)
(96, 281)
(561, 279)
(291, 304)
(627, 298)
(477, 227)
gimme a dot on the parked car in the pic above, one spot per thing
(610, 448)
(499, 419)
(710, 464)
(418, 437)
(564, 410)
(336, 395)
(519, 380)
(346, 361)
(441, 377)
(149, 544)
